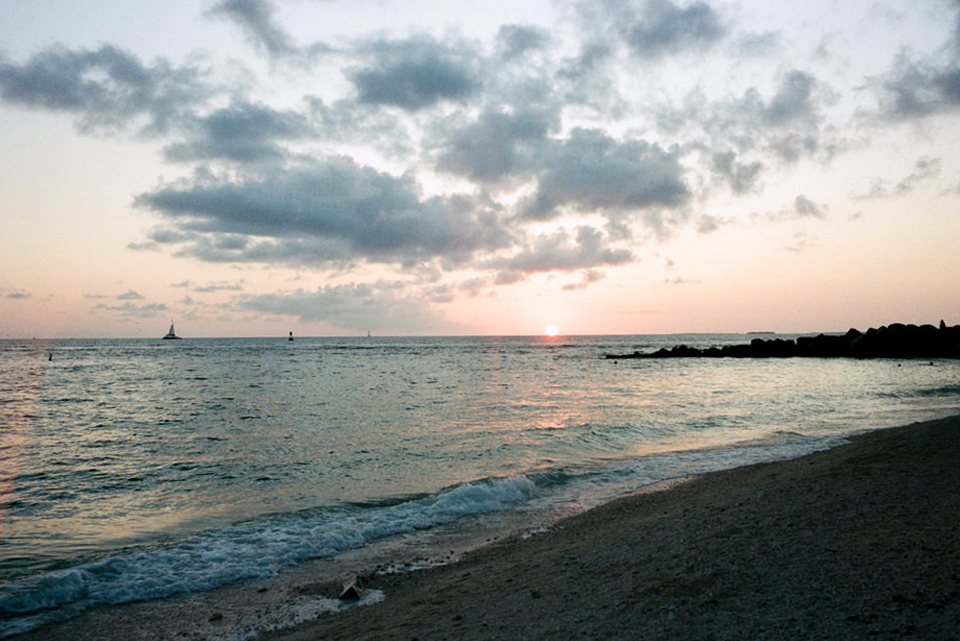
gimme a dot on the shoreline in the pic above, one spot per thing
(859, 541)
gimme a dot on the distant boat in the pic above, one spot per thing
(171, 335)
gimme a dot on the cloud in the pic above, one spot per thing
(132, 310)
(416, 73)
(256, 18)
(678, 280)
(592, 172)
(801, 242)
(334, 210)
(473, 286)
(802, 207)
(220, 286)
(535, 151)
(561, 252)
(242, 132)
(915, 88)
(496, 146)
(18, 296)
(789, 125)
(793, 100)
(709, 224)
(791, 120)
(742, 177)
(653, 29)
(588, 79)
(355, 306)
(590, 277)
(130, 295)
(514, 41)
(105, 89)
(925, 169)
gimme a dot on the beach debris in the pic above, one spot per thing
(352, 590)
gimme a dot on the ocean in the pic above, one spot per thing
(133, 470)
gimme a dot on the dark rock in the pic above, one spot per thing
(352, 590)
(893, 341)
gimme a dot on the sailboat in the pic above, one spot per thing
(171, 335)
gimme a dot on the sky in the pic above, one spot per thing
(422, 167)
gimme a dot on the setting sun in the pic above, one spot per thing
(551, 330)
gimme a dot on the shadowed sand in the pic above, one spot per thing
(858, 542)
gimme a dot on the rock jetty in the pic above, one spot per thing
(892, 341)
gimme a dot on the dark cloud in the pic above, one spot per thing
(416, 73)
(242, 132)
(256, 18)
(516, 40)
(742, 177)
(789, 125)
(791, 121)
(914, 90)
(590, 63)
(653, 29)
(105, 89)
(561, 252)
(793, 101)
(323, 211)
(592, 172)
(496, 146)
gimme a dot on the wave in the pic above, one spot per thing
(262, 547)
(943, 391)
(250, 550)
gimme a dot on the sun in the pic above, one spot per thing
(551, 330)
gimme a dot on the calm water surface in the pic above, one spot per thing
(137, 469)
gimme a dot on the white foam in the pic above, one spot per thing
(285, 616)
(249, 550)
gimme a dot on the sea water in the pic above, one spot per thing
(133, 470)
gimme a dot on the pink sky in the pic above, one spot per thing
(253, 167)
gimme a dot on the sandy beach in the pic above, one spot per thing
(858, 542)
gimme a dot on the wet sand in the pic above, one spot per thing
(858, 542)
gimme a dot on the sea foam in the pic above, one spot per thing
(249, 550)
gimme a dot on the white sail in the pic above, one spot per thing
(171, 335)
